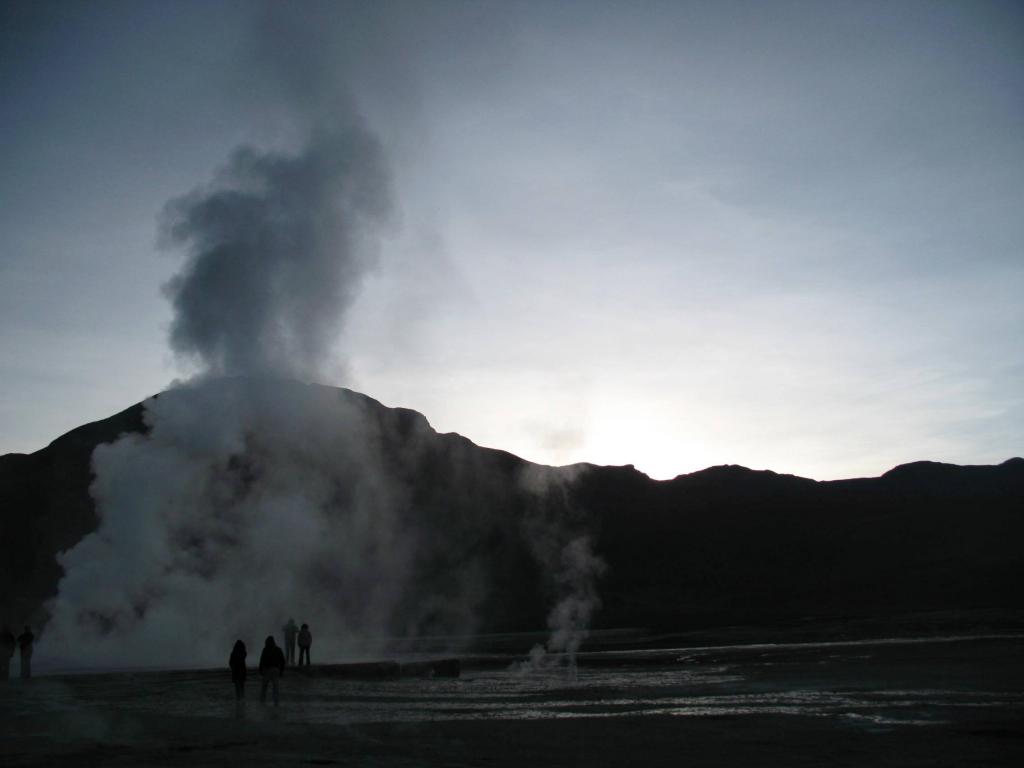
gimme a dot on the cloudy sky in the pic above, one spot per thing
(781, 234)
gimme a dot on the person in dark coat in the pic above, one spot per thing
(237, 664)
(305, 640)
(25, 640)
(7, 646)
(271, 668)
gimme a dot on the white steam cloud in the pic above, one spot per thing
(253, 498)
(278, 246)
(553, 529)
(247, 502)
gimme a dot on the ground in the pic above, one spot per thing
(928, 702)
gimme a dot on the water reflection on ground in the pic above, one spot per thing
(877, 684)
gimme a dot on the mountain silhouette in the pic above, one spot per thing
(721, 546)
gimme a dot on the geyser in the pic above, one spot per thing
(252, 497)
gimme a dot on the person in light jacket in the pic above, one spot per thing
(290, 630)
(25, 640)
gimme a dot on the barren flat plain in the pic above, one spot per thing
(946, 700)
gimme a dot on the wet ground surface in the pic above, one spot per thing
(875, 682)
(955, 699)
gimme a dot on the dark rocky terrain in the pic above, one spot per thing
(723, 546)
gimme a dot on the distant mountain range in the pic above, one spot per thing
(723, 545)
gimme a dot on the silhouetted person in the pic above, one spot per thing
(305, 640)
(271, 668)
(237, 664)
(290, 630)
(7, 646)
(25, 640)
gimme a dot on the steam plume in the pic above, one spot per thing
(277, 247)
(249, 500)
(554, 533)
(576, 584)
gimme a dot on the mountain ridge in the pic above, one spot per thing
(722, 544)
(130, 420)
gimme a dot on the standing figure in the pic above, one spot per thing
(290, 630)
(271, 668)
(305, 640)
(25, 640)
(7, 646)
(237, 664)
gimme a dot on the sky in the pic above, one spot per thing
(786, 235)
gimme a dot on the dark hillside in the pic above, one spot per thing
(725, 545)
